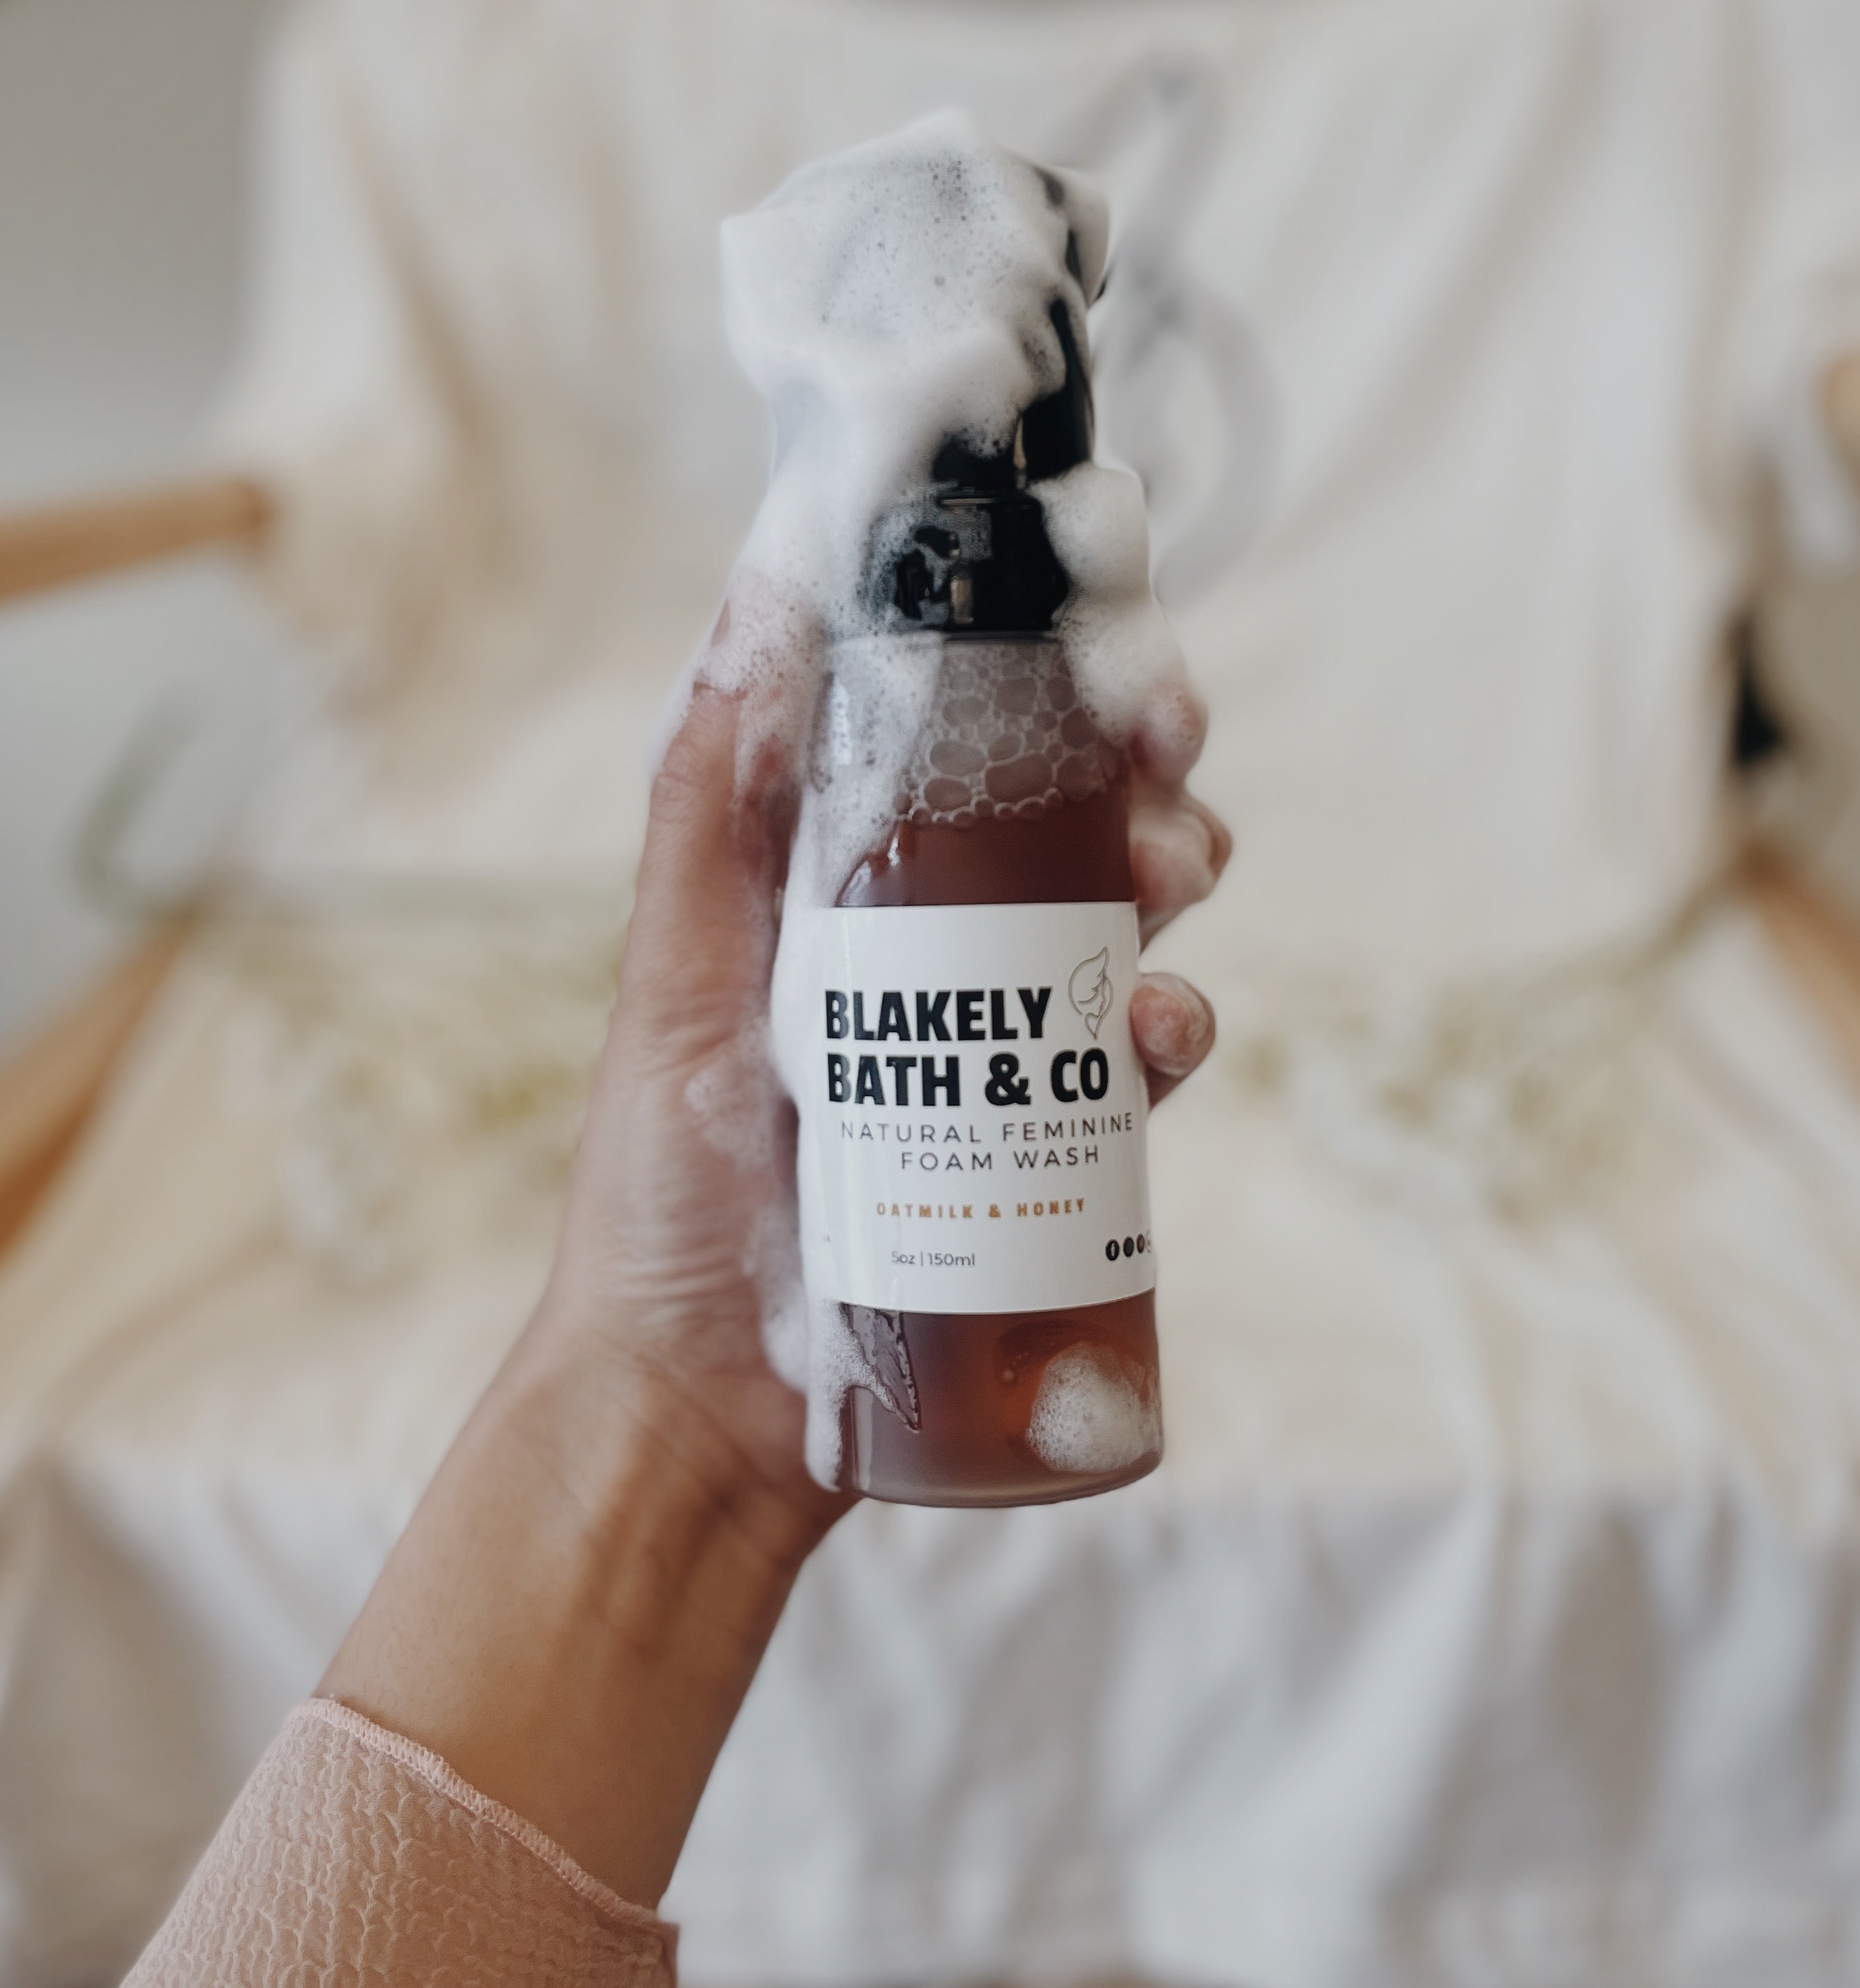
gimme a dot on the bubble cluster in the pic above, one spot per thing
(1007, 738)
(1092, 1414)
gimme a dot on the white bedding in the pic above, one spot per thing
(1492, 1621)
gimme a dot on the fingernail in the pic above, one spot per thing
(1176, 1024)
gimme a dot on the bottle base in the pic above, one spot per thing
(986, 1497)
(991, 1410)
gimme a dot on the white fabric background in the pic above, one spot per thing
(1493, 1620)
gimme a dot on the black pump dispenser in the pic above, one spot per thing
(970, 555)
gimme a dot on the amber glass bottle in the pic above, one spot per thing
(980, 1131)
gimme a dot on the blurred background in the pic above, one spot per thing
(125, 201)
(1494, 1619)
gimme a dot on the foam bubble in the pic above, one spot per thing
(1088, 1417)
(887, 301)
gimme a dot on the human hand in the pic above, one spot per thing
(680, 1219)
(578, 1605)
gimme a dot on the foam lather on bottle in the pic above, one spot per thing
(914, 312)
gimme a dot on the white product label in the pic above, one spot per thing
(972, 1109)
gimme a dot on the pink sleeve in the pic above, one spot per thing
(354, 1856)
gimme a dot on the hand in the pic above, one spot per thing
(680, 1219)
(578, 1605)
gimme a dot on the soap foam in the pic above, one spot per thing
(1088, 1417)
(885, 301)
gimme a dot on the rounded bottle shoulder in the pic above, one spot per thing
(1006, 792)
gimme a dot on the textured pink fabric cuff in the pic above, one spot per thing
(354, 1856)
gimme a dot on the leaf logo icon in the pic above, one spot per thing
(1090, 990)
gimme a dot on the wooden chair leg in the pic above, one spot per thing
(50, 1084)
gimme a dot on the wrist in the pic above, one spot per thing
(623, 1432)
(574, 1612)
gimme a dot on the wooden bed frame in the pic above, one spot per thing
(50, 1086)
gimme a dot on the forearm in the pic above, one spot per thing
(578, 1605)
